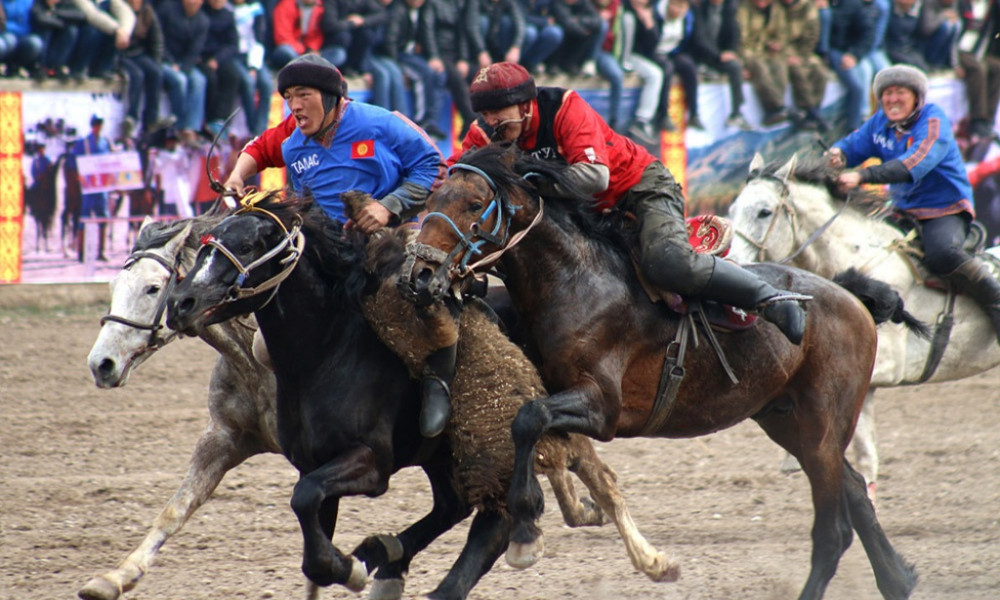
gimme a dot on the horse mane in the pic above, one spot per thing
(507, 166)
(815, 170)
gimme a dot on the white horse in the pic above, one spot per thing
(789, 215)
(242, 421)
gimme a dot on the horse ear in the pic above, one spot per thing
(757, 164)
(176, 243)
(787, 169)
(146, 222)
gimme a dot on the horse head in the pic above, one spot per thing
(763, 214)
(488, 201)
(240, 264)
(134, 329)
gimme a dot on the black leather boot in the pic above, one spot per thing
(435, 383)
(732, 284)
(976, 281)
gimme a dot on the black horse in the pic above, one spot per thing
(347, 409)
(601, 345)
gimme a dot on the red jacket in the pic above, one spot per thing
(288, 29)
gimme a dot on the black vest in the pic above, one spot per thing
(550, 100)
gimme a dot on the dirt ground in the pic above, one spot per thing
(84, 471)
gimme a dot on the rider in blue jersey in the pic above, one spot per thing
(927, 178)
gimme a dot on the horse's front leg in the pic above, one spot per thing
(216, 452)
(576, 410)
(315, 500)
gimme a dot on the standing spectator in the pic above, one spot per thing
(451, 26)
(410, 41)
(583, 33)
(57, 23)
(297, 31)
(220, 64)
(715, 43)
(879, 11)
(94, 204)
(902, 39)
(806, 72)
(141, 62)
(542, 35)
(171, 167)
(980, 68)
(256, 82)
(940, 28)
(764, 32)
(503, 27)
(25, 47)
(852, 36)
(185, 28)
(107, 31)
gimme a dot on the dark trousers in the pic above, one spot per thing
(943, 238)
(769, 78)
(808, 82)
(982, 86)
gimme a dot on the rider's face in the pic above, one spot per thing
(506, 121)
(898, 102)
(306, 106)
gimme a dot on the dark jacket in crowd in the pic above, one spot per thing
(223, 41)
(705, 47)
(184, 36)
(147, 37)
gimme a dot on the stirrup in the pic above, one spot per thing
(784, 297)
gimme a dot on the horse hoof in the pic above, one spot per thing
(386, 589)
(668, 571)
(99, 588)
(358, 578)
(522, 556)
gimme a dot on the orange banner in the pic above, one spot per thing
(673, 151)
(274, 179)
(11, 187)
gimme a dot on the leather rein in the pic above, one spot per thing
(155, 326)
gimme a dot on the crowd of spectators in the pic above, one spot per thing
(205, 57)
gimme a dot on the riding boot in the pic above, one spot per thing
(734, 285)
(435, 384)
(974, 279)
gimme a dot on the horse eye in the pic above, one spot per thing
(764, 213)
(475, 207)
(246, 248)
(153, 290)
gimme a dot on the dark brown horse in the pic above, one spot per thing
(601, 346)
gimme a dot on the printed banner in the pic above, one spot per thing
(110, 172)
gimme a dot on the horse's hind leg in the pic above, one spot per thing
(601, 481)
(390, 556)
(895, 577)
(485, 543)
(216, 452)
(576, 512)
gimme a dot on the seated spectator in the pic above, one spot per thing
(806, 72)
(24, 48)
(715, 43)
(256, 82)
(902, 44)
(57, 23)
(107, 31)
(764, 35)
(220, 64)
(453, 29)
(141, 62)
(852, 36)
(411, 40)
(388, 86)
(662, 37)
(298, 31)
(352, 25)
(979, 67)
(878, 11)
(503, 27)
(542, 35)
(940, 29)
(583, 33)
(641, 128)
(185, 28)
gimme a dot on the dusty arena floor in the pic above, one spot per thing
(83, 472)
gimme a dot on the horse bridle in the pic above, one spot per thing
(293, 242)
(472, 241)
(154, 328)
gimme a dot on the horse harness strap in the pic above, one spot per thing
(942, 334)
(155, 325)
(815, 235)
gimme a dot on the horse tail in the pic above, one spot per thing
(883, 302)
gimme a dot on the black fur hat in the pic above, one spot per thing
(312, 70)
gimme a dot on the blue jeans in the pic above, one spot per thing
(855, 81)
(186, 91)
(24, 51)
(94, 52)
(540, 41)
(255, 96)
(610, 69)
(431, 101)
(58, 44)
(284, 54)
(388, 87)
(938, 47)
(144, 82)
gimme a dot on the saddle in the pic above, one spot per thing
(708, 234)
